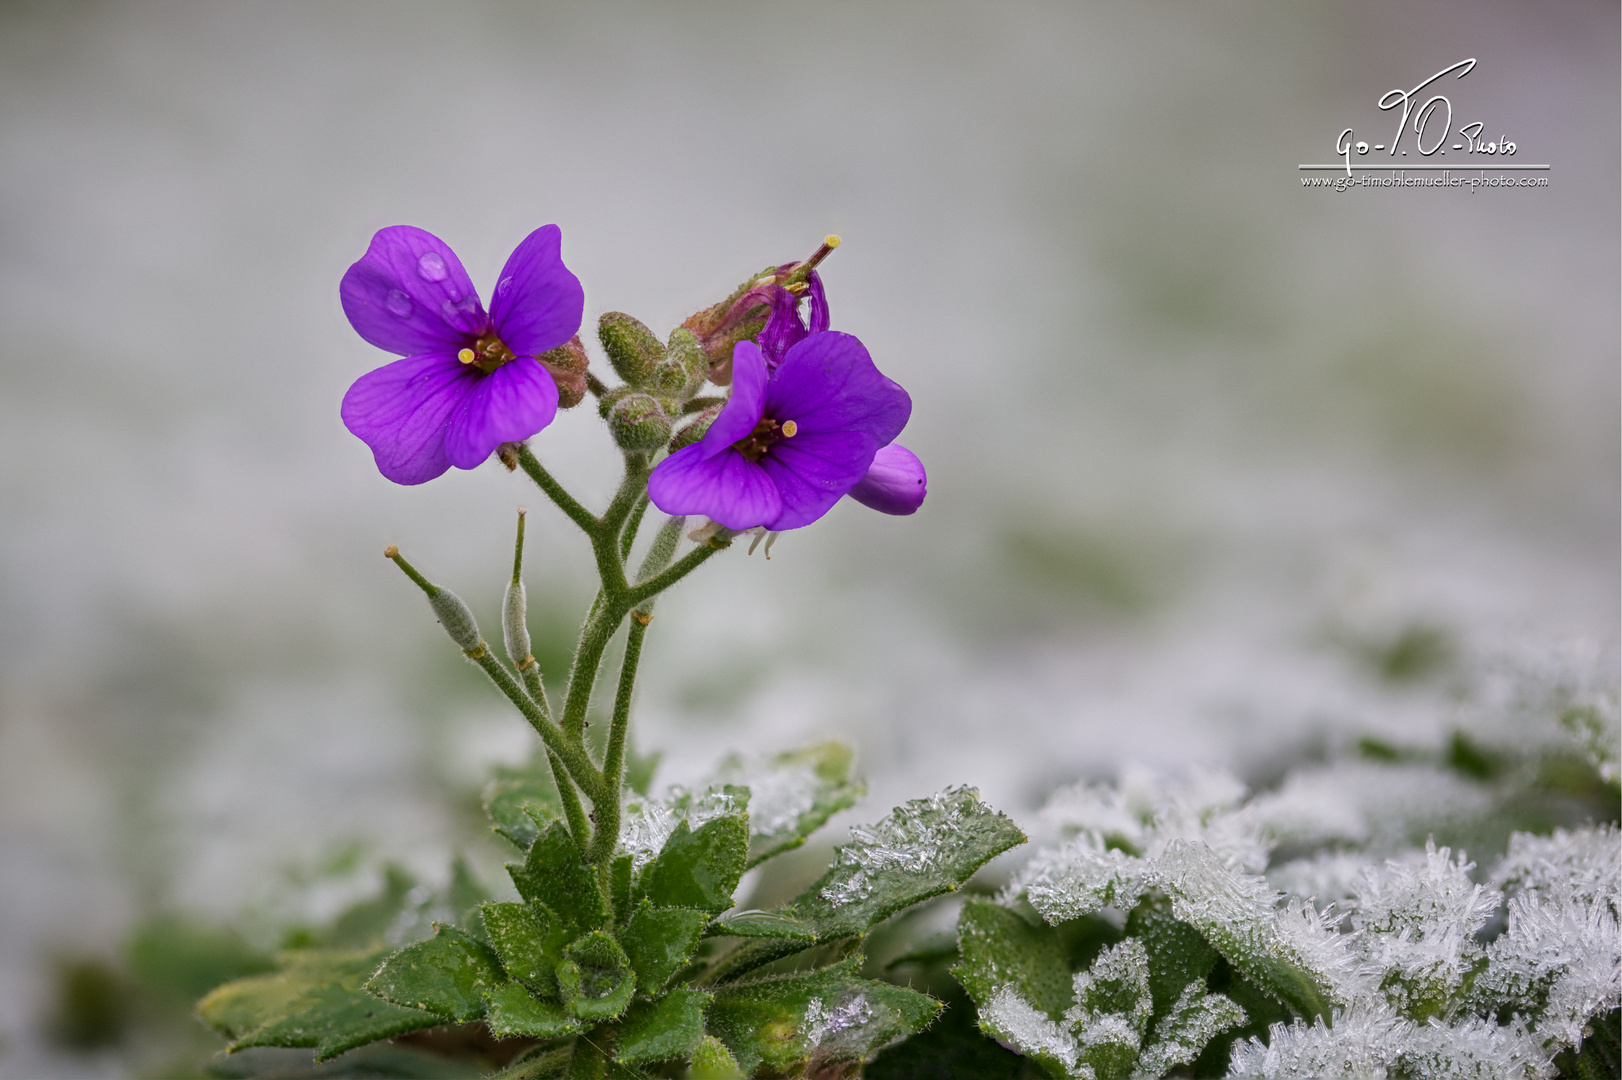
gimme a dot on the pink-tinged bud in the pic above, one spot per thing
(740, 317)
(567, 366)
(895, 483)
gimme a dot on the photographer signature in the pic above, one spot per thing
(1436, 112)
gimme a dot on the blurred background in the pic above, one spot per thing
(1222, 470)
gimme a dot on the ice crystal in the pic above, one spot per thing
(1326, 877)
(1195, 1019)
(1476, 1049)
(828, 1025)
(1559, 962)
(1080, 878)
(645, 824)
(1364, 1043)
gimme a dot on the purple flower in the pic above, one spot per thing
(790, 442)
(470, 381)
(784, 328)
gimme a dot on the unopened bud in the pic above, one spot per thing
(457, 619)
(740, 317)
(514, 631)
(507, 453)
(567, 366)
(631, 347)
(638, 423)
(694, 431)
(686, 365)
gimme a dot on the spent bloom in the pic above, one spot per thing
(470, 380)
(791, 441)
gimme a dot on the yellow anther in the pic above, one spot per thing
(466, 356)
(831, 240)
(789, 428)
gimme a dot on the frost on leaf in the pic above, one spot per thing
(1559, 963)
(1418, 918)
(1112, 1010)
(923, 848)
(1583, 864)
(1364, 1043)
(1476, 1049)
(1196, 1019)
(791, 795)
(645, 824)
(1018, 1024)
(1324, 878)
(1079, 879)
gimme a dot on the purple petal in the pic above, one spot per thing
(728, 488)
(813, 471)
(409, 294)
(828, 383)
(783, 329)
(819, 305)
(538, 303)
(895, 483)
(742, 411)
(400, 411)
(511, 403)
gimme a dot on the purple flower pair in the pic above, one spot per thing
(810, 420)
(470, 380)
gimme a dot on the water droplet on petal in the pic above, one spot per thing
(398, 303)
(430, 267)
(504, 284)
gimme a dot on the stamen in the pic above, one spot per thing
(829, 242)
(771, 538)
(789, 428)
(466, 356)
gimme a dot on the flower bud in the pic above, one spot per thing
(693, 432)
(631, 347)
(895, 483)
(567, 366)
(514, 630)
(638, 423)
(457, 619)
(685, 366)
(740, 317)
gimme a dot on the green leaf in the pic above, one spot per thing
(1178, 953)
(522, 801)
(792, 794)
(530, 940)
(755, 923)
(713, 1061)
(595, 978)
(699, 869)
(314, 1001)
(660, 941)
(663, 1030)
(1194, 1019)
(999, 948)
(554, 873)
(816, 1021)
(924, 848)
(449, 973)
(513, 1010)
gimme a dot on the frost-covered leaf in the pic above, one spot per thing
(660, 941)
(1582, 864)
(998, 948)
(1018, 1024)
(669, 1028)
(595, 979)
(699, 869)
(646, 823)
(1364, 1042)
(1178, 954)
(555, 873)
(1192, 1021)
(754, 923)
(1112, 1010)
(791, 795)
(448, 974)
(1080, 878)
(1289, 952)
(513, 1010)
(1474, 1049)
(314, 1001)
(817, 1021)
(923, 848)
(522, 801)
(1559, 963)
(529, 939)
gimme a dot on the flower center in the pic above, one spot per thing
(486, 354)
(766, 435)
